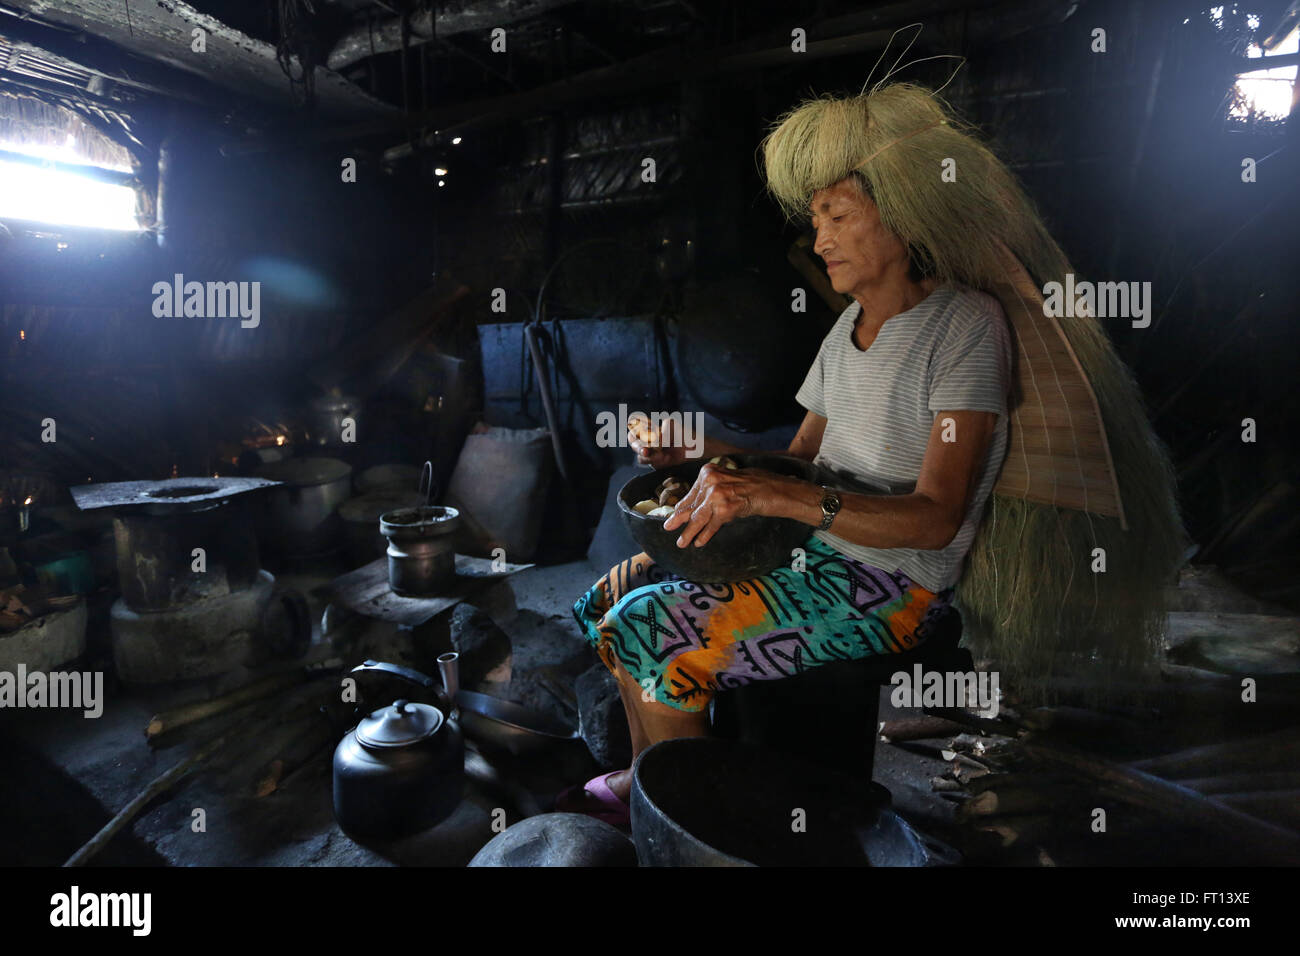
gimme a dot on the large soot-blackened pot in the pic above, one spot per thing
(699, 801)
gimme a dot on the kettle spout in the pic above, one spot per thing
(450, 671)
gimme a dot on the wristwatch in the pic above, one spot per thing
(830, 507)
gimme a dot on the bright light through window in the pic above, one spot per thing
(1267, 93)
(61, 198)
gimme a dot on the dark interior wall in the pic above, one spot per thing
(1128, 153)
(82, 343)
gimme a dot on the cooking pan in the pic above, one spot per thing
(509, 726)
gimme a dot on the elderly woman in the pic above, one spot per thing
(908, 397)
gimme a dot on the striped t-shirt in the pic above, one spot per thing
(952, 352)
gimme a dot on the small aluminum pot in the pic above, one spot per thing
(300, 516)
(421, 548)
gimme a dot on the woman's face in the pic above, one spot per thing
(860, 253)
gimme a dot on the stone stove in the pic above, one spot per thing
(195, 601)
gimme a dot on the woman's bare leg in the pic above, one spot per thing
(650, 723)
(639, 739)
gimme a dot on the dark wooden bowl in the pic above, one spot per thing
(742, 549)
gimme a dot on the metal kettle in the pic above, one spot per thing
(401, 769)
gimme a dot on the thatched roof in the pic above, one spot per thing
(28, 120)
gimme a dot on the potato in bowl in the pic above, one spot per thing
(742, 549)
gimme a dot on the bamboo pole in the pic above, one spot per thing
(160, 784)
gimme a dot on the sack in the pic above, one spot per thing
(499, 485)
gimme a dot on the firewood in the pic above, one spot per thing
(1006, 724)
(1131, 785)
(160, 784)
(201, 710)
(1008, 802)
(968, 774)
(283, 678)
(1245, 782)
(964, 760)
(1277, 806)
(920, 749)
(302, 746)
(1081, 719)
(1264, 751)
(1021, 780)
(918, 728)
(271, 780)
(1028, 828)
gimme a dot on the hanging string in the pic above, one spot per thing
(297, 44)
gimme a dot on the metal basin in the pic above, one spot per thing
(508, 726)
(700, 801)
(742, 549)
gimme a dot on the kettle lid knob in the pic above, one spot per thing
(398, 725)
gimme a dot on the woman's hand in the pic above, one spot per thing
(720, 495)
(659, 448)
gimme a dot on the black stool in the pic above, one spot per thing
(829, 714)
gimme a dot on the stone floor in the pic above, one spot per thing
(95, 767)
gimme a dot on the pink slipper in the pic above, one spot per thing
(612, 810)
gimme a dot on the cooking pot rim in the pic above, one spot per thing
(306, 472)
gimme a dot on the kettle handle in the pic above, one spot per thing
(396, 670)
(446, 693)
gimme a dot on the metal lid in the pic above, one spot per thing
(305, 472)
(426, 521)
(405, 477)
(400, 725)
(367, 508)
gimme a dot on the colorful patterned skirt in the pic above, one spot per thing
(683, 641)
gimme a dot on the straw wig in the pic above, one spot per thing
(1082, 532)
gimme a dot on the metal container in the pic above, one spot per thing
(360, 516)
(329, 415)
(402, 768)
(300, 515)
(699, 801)
(421, 548)
(505, 725)
(157, 568)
